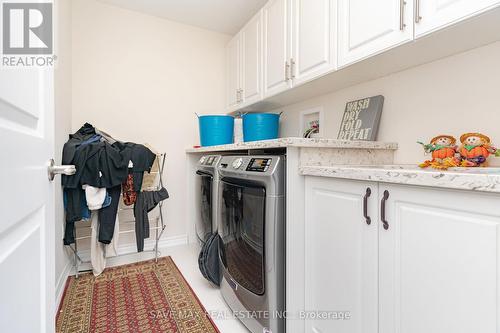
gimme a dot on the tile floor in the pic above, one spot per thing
(186, 258)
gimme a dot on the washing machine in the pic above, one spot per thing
(252, 239)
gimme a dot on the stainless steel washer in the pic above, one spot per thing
(208, 185)
(252, 239)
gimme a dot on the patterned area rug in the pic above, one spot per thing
(141, 297)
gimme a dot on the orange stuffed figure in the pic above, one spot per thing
(444, 152)
(475, 149)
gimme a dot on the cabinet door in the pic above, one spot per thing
(251, 60)
(233, 72)
(341, 253)
(370, 27)
(276, 47)
(437, 14)
(439, 262)
(314, 38)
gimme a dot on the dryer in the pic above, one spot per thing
(208, 186)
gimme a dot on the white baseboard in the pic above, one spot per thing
(131, 250)
(61, 281)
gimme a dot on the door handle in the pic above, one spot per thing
(53, 170)
(382, 210)
(365, 206)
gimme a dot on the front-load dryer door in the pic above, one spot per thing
(204, 222)
(242, 221)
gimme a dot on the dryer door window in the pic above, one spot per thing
(242, 233)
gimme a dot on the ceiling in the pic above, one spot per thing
(225, 16)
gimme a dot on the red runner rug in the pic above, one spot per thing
(142, 297)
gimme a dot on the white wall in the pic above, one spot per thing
(453, 95)
(62, 126)
(142, 79)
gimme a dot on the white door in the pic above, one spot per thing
(233, 73)
(341, 255)
(314, 39)
(439, 261)
(276, 47)
(432, 15)
(370, 27)
(26, 201)
(251, 61)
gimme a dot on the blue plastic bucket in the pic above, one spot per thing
(216, 130)
(260, 126)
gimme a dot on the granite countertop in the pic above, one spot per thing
(298, 142)
(475, 179)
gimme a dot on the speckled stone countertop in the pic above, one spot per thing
(298, 142)
(475, 179)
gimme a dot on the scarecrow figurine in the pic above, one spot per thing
(475, 149)
(444, 153)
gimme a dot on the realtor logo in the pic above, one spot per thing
(27, 28)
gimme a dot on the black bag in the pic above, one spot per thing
(208, 260)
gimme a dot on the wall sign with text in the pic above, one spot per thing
(361, 119)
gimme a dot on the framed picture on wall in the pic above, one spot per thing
(361, 119)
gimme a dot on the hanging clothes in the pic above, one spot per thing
(98, 251)
(146, 202)
(129, 194)
(107, 216)
(98, 164)
(95, 197)
(142, 160)
(76, 208)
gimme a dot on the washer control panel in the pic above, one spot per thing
(259, 164)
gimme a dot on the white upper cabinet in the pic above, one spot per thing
(439, 260)
(276, 47)
(370, 27)
(432, 15)
(251, 61)
(314, 39)
(341, 255)
(291, 42)
(233, 79)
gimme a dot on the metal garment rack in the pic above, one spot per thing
(159, 226)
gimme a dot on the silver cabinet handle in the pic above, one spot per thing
(402, 24)
(287, 71)
(53, 170)
(418, 18)
(239, 95)
(292, 68)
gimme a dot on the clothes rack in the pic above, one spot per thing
(159, 225)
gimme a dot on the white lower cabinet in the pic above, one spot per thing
(433, 267)
(439, 261)
(341, 268)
